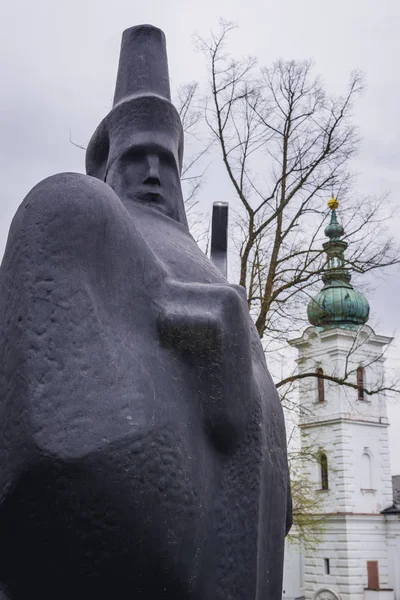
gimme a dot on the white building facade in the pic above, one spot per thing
(346, 426)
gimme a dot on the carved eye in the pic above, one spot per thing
(135, 155)
(167, 160)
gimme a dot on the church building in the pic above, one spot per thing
(347, 427)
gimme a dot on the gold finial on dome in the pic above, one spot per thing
(338, 304)
(333, 203)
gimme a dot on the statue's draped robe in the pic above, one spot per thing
(142, 443)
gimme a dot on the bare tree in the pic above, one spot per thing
(286, 146)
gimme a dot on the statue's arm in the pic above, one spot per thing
(208, 324)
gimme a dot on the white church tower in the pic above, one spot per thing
(346, 427)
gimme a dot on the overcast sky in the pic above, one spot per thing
(58, 65)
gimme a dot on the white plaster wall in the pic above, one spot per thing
(345, 443)
(349, 542)
(293, 570)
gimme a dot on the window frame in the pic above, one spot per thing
(324, 470)
(320, 385)
(327, 566)
(360, 383)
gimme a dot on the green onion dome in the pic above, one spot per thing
(338, 304)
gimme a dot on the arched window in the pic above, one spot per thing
(366, 472)
(321, 385)
(360, 383)
(323, 464)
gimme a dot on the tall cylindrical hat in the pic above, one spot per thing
(142, 110)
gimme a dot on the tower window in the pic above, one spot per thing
(327, 566)
(321, 385)
(323, 463)
(360, 383)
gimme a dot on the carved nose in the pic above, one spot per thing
(153, 173)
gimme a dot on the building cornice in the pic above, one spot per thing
(311, 333)
(354, 421)
(338, 516)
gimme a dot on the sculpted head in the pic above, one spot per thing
(147, 174)
(137, 149)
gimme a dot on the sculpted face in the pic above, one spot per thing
(148, 174)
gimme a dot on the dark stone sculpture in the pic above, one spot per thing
(142, 441)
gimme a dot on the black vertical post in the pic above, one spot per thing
(219, 236)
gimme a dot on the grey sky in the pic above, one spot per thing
(58, 64)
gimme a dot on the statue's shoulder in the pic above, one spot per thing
(66, 187)
(66, 194)
(67, 206)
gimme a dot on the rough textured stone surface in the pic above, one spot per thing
(142, 443)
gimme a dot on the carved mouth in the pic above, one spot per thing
(151, 194)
